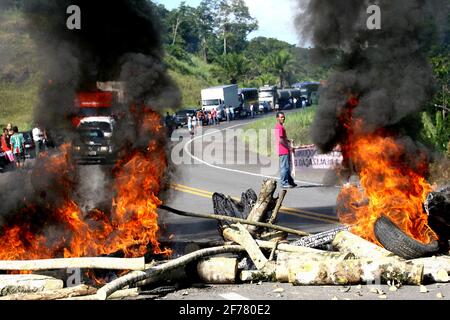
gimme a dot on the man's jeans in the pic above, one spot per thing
(38, 147)
(285, 171)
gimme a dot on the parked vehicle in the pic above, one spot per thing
(307, 88)
(284, 99)
(247, 98)
(182, 115)
(268, 94)
(264, 107)
(219, 98)
(28, 142)
(91, 145)
(296, 97)
(106, 124)
(93, 104)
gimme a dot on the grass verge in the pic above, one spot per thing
(297, 127)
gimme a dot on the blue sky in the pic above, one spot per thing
(275, 17)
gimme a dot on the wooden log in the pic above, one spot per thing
(248, 275)
(218, 270)
(275, 236)
(118, 295)
(243, 237)
(285, 258)
(235, 220)
(274, 217)
(269, 245)
(351, 272)
(27, 283)
(347, 242)
(265, 199)
(81, 290)
(124, 294)
(75, 263)
(140, 276)
(256, 275)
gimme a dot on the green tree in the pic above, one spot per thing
(258, 48)
(184, 27)
(441, 68)
(265, 79)
(206, 25)
(436, 130)
(279, 63)
(231, 68)
(234, 24)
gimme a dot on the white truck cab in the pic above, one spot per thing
(220, 98)
(105, 124)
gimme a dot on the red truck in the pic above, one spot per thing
(93, 104)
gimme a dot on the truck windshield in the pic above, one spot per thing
(91, 134)
(92, 112)
(207, 103)
(266, 94)
(104, 126)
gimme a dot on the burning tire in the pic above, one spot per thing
(398, 242)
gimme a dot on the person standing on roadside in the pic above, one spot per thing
(18, 148)
(200, 118)
(284, 150)
(38, 138)
(6, 145)
(228, 114)
(214, 116)
(210, 120)
(191, 126)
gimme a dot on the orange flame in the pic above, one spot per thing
(129, 227)
(390, 187)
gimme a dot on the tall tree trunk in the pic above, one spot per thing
(175, 31)
(205, 50)
(224, 42)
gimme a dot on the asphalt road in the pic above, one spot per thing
(310, 208)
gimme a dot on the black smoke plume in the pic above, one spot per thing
(118, 41)
(386, 70)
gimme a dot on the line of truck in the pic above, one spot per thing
(270, 97)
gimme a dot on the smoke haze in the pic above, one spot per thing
(386, 69)
(118, 41)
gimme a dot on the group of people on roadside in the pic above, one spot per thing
(12, 145)
(203, 118)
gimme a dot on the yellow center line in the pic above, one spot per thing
(288, 211)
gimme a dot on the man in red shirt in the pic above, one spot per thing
(283, 150)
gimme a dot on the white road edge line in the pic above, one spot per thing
(233, 296)
(234, 170)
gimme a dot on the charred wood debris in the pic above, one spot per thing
(254, 249)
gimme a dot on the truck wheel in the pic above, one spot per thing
(398, 242)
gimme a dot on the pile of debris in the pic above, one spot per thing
(255, 249)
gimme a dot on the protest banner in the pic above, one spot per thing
(309, 157)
